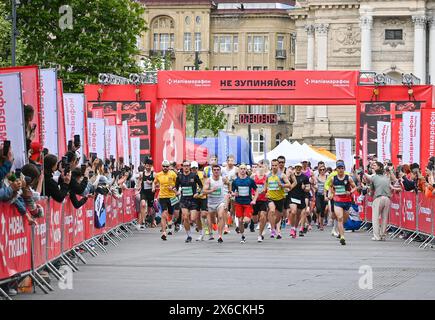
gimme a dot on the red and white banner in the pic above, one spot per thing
(396, 141)
(12, 117)
(409, 221)
(15, 245)
(68, 225)
(89, 219)
(125, 142)
(109, 212)
(411, 137)
(110, 139)
(343, 150)
(40, 237)
(74, 109)
(248, 85)
(30, 92)
(61, 131)
(54, 230)
(96, 136)
(384, 141)
(427, 136)
(79, 225)
(395, 209)
(129, 205)
(425, 213)
(135, 152)
(49, 110)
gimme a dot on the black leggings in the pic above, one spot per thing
(321, 205)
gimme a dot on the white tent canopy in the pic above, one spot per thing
(294, 153)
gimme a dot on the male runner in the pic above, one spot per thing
(188, 182)
(242, 188)
(297, 200)
(275, 185)
(217, 199)
(146, 194)
(342, 188)
(166, 182)
(201, 200)
(229, 173)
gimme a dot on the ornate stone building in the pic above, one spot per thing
(386, 36)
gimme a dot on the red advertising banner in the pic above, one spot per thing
(40, 238)
(109, 212)
(15, 245)
(54, 218)
(427, 136)
(395, 209)
(31, 93)
(115, 211)
(68, 225)
(79, 222)
(168, 132)
(368, 208)
(409, 221)
(425, 213)
(61, 132)
(89, 219)
(129, 207)
(265, 85)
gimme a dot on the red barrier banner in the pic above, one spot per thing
(128, 205)
(265, 85)
(109, 212)
(409, 221)
(368, 208)
(68, 225)
(15, 245)
(54, 218)
(425, 214)
(120, 205)
(79, 221)
(89, 219)
(395, 209)
(40, 237)
(115, 211)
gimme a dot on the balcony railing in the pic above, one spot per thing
(169, 52)
(281, 54)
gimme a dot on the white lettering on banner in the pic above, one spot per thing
(369, 203)
(68, 220)
(42, 110)
(395, 206)
(3, 128)
(411, 140)
(333, 82)
(89, 213)
(432, 134)
(427, 211)
(17, 247)
(400, 141)
(16, 225)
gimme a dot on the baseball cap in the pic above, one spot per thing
(340, 164)
(36, 150)
(298, 165)
(194, 164)
(165, 163)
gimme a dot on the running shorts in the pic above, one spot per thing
(189, 204)
(165, 203)
(243, 210)
(279, 204)
(216, 207)
(260, 206)
(201, 204)
(300, 203)
(344, 205)
(148, 196)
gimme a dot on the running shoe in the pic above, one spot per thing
(211, 237)
(138, 227)
(226, 230)
(177, 228)
(335, 234)
(321, 228)
(293, 233)
(200, 238)
(342, 241)
(163, 237)
(220, 240)
(305, 229)
(252, 227)
(243, 240)
(246, 224)
(169, 233)
(301, 233)
(189, 239)
(310, 228)
(279, 236)
(272, 234)
(260, 239)
(237, 230)
(318, 226)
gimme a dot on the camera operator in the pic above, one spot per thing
(78, 186)
(58, 191)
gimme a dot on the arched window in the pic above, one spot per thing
(163, 33)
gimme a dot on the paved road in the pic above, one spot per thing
(314, 267)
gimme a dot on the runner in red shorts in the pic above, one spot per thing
(242, 189)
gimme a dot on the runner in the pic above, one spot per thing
(306, 212)
(217, 199)
(176, 220)
(260, 207)
(146, 194)
(275, 185)
(297, 198)
(166, 182)
(342, 189)
(242, 188)
(188, 182)
(201, 200)
(229, 173)
(321, 198)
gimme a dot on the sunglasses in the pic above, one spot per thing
(186, 165)
(281, 161)
(322, 170)
(165, 166)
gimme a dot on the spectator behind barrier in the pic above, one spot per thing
(32, 188)
(29, 113)
(52, 189)
(7, 190)
(78, 185)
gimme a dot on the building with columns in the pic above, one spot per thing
(386, 36)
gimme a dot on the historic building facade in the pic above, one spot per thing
(389, 36)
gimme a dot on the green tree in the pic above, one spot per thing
(5, 37)
(81, 38)
(210, 117)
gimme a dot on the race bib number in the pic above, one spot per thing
(297, 201)
(243, 191)
(340, 190)
(260, 188)
(187, 191)
(217, 193)
(273, 186)
(174, 201)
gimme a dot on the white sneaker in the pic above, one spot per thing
(259, 239)
(138, 227)
(334, 233)
(200, 238)
(12, 292)
(258, 227)
(268, 226)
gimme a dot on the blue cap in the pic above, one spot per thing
(340, 164)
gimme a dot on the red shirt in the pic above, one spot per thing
(260, 187)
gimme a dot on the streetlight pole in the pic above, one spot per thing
(197, 63)
(249, 137)
(14, 32)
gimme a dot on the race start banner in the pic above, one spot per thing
(411, 137)
(12, 117)
(49, 110)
